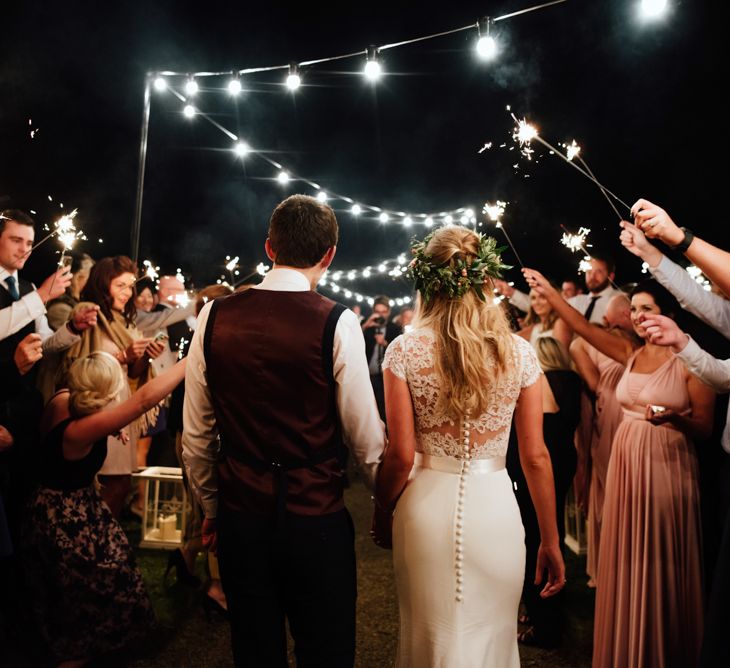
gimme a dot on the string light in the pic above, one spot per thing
(283, 177)
(234, 86)
(241, 148)
(160, 84)
(191, 86)
(428, 222)
(189, 111)
(653, 9)
(356, 209)
(373, 69)
(322, 196)
(383, 217)
(486, 44)
(293, 80)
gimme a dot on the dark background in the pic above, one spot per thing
(644, 99)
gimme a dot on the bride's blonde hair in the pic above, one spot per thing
(475, 345)
(94, 381)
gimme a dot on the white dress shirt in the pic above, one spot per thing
(711, 309)
(362, 430)
(580, 303)
(153, 321)
(30, 308)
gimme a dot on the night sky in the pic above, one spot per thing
(642, 98)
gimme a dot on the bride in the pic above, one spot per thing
(451, 387)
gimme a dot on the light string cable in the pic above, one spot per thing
(464, 215)
(306, 63)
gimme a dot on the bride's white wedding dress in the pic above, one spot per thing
(458, 540)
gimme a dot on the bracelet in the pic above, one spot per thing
(683, 246)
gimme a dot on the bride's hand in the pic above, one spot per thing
(550, 558)
(381, 530)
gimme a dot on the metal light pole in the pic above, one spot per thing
(137, 228)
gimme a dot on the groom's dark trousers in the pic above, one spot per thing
(304, 570)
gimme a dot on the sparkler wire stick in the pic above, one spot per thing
(581, 170)
(603, 190)
(511, 245)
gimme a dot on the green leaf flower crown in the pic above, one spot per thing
(458, 277)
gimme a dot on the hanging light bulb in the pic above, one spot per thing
(282, 177)
(407, 221)
(191, 86)
(293, 80)
(373, 69)
(428, 222)
(653, 9)
(448, 219)
(234, 85)
(241, 149)
(189, 111)
(160, 84)
(486, 44)
(356, 209)
(322, 196)
(383, 217)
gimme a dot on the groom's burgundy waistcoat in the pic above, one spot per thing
(269, 370)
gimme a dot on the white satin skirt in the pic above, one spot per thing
(459, 559)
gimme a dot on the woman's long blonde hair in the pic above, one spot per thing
(94, 381)
(475, 345)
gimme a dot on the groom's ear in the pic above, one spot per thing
(327, 258)
(269, 250)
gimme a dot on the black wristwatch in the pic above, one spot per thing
(683, 245)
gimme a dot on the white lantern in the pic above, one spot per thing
(165, 507)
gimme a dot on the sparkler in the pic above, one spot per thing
(494, 212)
(151, 272)
(576, 242)
(232, 267)
(572, 150)
(525, 133)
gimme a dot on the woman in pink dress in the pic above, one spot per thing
(649, 595)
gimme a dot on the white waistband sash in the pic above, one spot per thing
(457, 466)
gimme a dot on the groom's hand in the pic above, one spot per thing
(381, 530)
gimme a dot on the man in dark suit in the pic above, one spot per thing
(379, 331)
(276, 387)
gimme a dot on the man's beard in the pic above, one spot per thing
(601, 287)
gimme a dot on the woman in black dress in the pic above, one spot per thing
(87, 592)
(561, 413)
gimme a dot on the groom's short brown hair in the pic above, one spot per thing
(301, 230)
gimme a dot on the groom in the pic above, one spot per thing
(279, 374)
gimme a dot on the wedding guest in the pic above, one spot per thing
(85, 589)
(271, 489)
(453, 385)
(59, 310)
(111, 286)
(601, 375)
(540, 320)
(561, 412)
(379, 331)
(649, 608)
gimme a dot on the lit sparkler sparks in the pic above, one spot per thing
(231, 263)
(576, 242)
(495, 211)
(571, 150)
(486, 147)
(585, 265)
(262, 268)
(524, 134)
(151, 271)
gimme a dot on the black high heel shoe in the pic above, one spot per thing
(175, 559)
(211, 605)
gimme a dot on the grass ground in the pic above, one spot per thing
(185, 638)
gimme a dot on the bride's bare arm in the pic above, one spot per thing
(400, 453)
(538, 471)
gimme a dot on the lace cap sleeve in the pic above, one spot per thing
(395, 358)
(531, 370)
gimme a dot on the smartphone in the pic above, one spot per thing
(658, 409)
(161, 336)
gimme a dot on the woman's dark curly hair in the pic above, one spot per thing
(100, 278)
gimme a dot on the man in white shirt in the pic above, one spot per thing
(279, 374)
